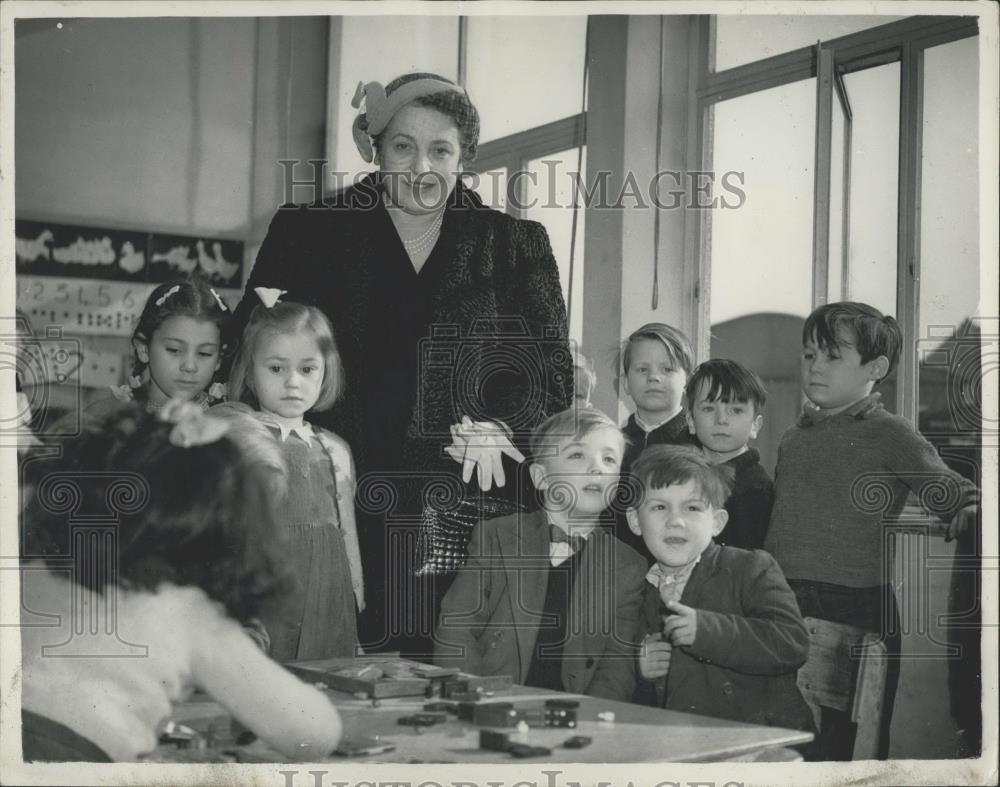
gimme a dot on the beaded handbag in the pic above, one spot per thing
(442, 544)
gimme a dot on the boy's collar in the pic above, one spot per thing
(867, 404)
(571, 528)
(647, 427)
(657, 575)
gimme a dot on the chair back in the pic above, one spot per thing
(846, 671)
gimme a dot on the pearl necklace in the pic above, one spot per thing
(424, 240)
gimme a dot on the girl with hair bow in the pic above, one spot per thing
(287, 366)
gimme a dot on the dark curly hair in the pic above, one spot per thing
(199, 516)
(194, 298)
(456, 105)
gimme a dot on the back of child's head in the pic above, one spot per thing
(188, 297)
(872, 333)
(660, 466)
(193, 516)
(677, 345)
(572, 423)
(726, 381)
(290, 319)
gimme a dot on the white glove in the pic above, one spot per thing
(480, 446)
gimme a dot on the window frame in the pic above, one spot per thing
(903, 42)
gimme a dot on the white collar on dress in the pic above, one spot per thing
(303, 430)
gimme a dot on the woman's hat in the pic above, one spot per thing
(380, 108)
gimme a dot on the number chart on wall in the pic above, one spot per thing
(92, 283)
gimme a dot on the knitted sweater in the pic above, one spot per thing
(838, 478)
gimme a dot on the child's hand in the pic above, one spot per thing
(681, 627)
(254, 629)
(964, 520)
(480, 446)
(654, 657)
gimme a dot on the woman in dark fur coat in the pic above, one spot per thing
(451, 324)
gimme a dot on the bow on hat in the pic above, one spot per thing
(380, 108)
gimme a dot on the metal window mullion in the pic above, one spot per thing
(845, 248)
(697, 265)
(821, 172)
(535, 142)
(911, 102)
(463, 46)
(864, 49)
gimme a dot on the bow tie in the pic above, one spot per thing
(558, 535)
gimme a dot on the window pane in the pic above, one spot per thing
(525, 71)
(874, 97)
(379, 49)
(761, 252)
(745, 38)
(949, 237)
(549, 192)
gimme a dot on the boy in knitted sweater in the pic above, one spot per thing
(845, 468)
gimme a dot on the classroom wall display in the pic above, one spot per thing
(88, 306)
(71, 251)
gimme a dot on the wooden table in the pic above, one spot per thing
(638, 733)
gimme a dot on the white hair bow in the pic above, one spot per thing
(269, 295)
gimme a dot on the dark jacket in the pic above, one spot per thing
(750, 642)
(749, 505)
(499, 293)
(491, 615)
(672, 432)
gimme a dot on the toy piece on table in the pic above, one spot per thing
(423, 719)
(431, 672)
(182, 736)
(441, 707)
(524, 750)
(577, 742)
(363, 747)
(561, 713)
(494, 741)
(467, 711)
(491, 740)
(465, 688)
(379, 677)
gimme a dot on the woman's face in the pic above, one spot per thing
(421, 156)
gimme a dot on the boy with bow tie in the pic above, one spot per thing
(551, 597)
(725, 637)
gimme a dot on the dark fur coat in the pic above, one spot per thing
(499, 305)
